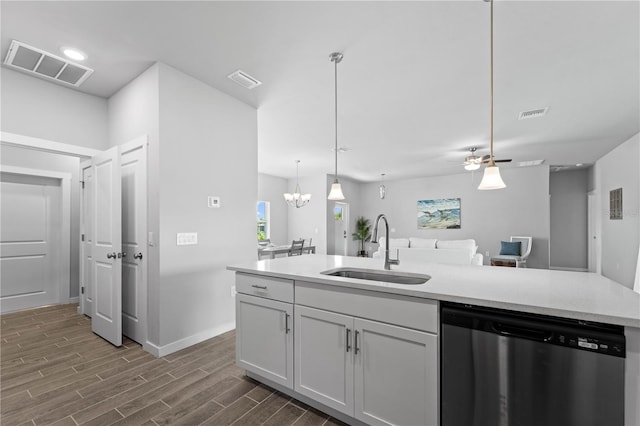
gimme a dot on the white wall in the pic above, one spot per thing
(208, 146)
(352, 191)
(487, 216)
(132, 112)
(41, 109)
(271, 188)
(28, 158)
(620, 238)
(568, 218)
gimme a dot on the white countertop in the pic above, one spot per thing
(578, 295)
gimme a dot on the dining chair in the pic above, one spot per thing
(296, 248)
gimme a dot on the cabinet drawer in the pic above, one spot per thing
(411, 312)
(270, 288)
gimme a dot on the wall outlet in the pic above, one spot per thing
(233, 291)
(486, 253)
(186, 238)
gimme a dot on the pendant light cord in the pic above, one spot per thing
(491, 162)
(335, 62)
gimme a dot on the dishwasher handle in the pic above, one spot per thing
(513, 330)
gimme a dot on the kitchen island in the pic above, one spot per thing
(293, 295)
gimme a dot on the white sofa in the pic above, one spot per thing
(431, 250)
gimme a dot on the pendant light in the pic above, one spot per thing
(336, 188)
(297, 199)
(382, 189)
(491, 178)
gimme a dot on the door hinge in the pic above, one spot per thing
(82, 290)
(82, 237)
(82, 182)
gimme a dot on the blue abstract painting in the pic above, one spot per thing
(443, 213)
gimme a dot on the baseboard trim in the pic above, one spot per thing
(562, 268)
(172, 347)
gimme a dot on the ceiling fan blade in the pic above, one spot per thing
(508, 160)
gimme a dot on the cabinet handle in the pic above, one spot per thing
(356, 348)
(348, 340)
(286, 323)
(261, 287)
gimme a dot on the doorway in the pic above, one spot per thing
(593, 240)
(341, 228)
(118, 278)
(34, 238)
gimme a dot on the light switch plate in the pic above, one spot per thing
(187, 238)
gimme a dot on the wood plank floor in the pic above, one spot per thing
(54, 370)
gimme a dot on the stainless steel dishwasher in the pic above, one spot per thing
(504, 368)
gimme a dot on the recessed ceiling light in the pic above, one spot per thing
(73, 53)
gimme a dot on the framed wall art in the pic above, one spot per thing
(443, 213)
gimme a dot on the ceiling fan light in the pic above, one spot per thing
(336, 192)
(472, 166)
(491, 179)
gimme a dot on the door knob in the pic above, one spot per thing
(137, 256)
(111, 255)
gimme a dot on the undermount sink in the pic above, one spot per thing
(396, 277)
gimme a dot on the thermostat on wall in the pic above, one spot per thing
(213, 202)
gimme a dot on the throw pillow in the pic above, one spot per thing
(510, 248)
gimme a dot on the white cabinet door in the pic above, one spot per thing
(324, 357)
(396, 375)
(264, 338)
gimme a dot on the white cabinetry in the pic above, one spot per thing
(324, 357)
(396, 375)
(264, 336)
(379, 373)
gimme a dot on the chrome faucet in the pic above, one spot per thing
(374, 239)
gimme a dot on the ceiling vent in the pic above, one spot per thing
(43, 64)
(530, 163)
(244, 79)
(533, 113)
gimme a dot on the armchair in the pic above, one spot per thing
(520, 260)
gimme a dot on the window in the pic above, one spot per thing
(263, 220)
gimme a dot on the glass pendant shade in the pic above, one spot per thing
(336, 192)
(382, 190)
(491, 179)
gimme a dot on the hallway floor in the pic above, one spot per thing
(54, 370)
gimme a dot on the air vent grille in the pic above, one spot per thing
(533, 113)
(244, 79)
(43, 64)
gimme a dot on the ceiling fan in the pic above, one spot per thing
(473, 161)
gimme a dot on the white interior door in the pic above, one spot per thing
(134, 231)
(593, 242)
(341, 229)
(87, 286)
(30, 241)
(107, 247)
